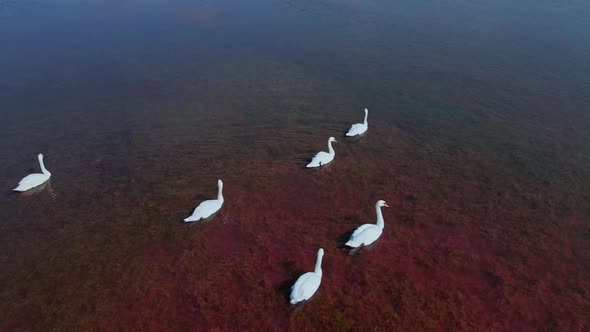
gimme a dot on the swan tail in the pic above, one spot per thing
(353, 243)
(21, 187)
(191, 218)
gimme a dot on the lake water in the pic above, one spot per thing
(479, 140)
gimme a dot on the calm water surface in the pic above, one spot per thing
(479, 140)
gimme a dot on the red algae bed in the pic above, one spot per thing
(485, 167)
(469, 243)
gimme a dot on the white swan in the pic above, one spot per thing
(368, 233)
(308, 283)
(322, 158)
(359, 128)
(36, 179)
(207, 208)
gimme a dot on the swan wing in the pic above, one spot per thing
(360, 230)
(305, 286)
(30, 181)
(364, 235)
(204, 210)
(356, 129)
(321, 157)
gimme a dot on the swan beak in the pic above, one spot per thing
(335, 141)
(385, 204)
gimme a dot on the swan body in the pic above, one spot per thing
(368, 233)
(323, 158)
(34, 180)
(359, 128)
(209, 207)
(308, 283)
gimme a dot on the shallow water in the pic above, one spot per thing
(478, 140)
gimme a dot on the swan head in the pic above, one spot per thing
(318, 262)
(332, 139)
(320, 254)
(381, 203)
(366, 111)
(40, 156)
(220, 183)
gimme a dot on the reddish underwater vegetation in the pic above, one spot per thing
(469, 244)
(478, 140)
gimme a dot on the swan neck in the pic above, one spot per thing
(43, 169)
(220, 193)
(318, 265)
(366, 116)
(330, 148)
(380, 221)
